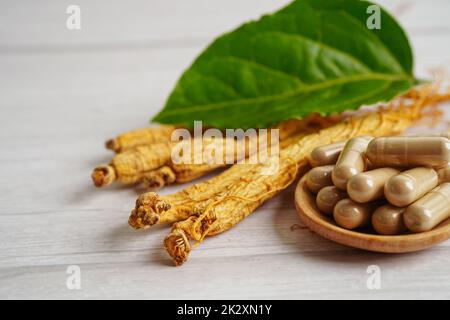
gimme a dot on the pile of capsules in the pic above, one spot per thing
(393, 184)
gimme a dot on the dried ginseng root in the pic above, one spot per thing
(140, 137)
(147, 136)
(163, 133)
(130, 167)
(152, 164)
(182, 173)
(151, 208)
(244, 195)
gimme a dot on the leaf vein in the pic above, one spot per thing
(321, 85)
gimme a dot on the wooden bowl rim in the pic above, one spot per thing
(318, 222)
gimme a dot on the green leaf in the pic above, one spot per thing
(311, 56)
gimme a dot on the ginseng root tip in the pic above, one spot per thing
(159, 178)
(113, 145)
(103, 175)
(140, 218)
(178, 246)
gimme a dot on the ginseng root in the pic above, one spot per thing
(182, 173)
(185, 172)
(152, 208)
(131, 166)
(147, 136)
(153, 166)
(140, 137)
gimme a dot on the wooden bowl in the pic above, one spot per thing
(326, 227)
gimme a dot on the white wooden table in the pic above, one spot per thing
(63, 92)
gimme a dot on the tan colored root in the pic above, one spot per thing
(129, 167)
(188, 172)
(243, 196)
(179, 206)
(152, 164)
(149, 136)
(140, 137)
(148, 208)
(178, 243)
(158, 178)
(152, 208)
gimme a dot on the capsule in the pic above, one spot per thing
(444, 174)
(409, 151)
(442, 134)
(429, 211)
(351, 215)
(350, 161)
(388, 220)
(405, 188)
(326, 155)
(328, 197)
(319, 177)
(368, 186)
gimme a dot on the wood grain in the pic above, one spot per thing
(63, 93)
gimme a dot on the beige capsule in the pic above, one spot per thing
(444, 174)
(325, 155)
(328, 197)
(405, 188)
(388, 220)
(368, 186)
(319, 177)
(351, 215)
(350, 161)
(409, 151)
(429, 211)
